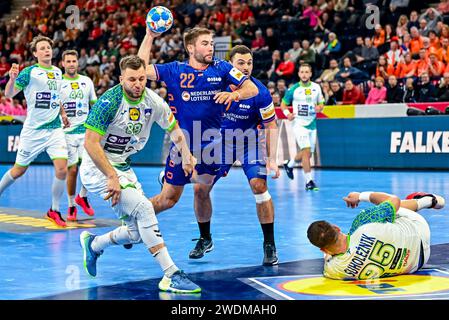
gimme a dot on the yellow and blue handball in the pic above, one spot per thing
(159, 19)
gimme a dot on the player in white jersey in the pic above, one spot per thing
(385, 240)
(77, 95)
(119, 126)
(307, 100)
(42, 130)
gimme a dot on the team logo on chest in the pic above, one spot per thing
(134, 114)
(50, 75)
(185, 96)
(75, 85)
(308, 92)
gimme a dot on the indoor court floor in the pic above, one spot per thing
(39, 261)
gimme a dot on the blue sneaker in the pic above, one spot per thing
(90, 257)
(178, 283)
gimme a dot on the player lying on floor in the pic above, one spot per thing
(385, 240)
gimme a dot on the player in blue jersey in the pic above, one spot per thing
(197, 97)
(242, 141)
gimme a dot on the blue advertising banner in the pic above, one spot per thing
(150, 155)
(408, 142)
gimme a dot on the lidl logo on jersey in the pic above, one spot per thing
(308, 92)
(50, 75)
(134, 114)
(419, 142)
(74, 85)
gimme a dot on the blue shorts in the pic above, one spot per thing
(253, 167)
(174, 174)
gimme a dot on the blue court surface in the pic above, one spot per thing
(39, 261)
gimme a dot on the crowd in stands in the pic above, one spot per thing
(404, 57)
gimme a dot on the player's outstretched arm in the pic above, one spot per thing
(96, 153)
(145, 52)
(353, 198)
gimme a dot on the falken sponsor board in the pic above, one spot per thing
(407, 142)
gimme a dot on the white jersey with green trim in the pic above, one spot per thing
(41, 87)
(303, 98)
(76, 96)
(126, 125)
(388, 246)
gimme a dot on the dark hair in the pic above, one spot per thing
(191, 35)
(132, 62)
(69, 53)
(37, 39)
(322, 234)
(240, 49)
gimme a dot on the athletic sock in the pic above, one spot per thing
(268, 232)
(57, 190)
(424, 202)
(308, 176)
(6, 181)
(71, 200)
(205, 230)
(291, 163)
(166, 262)
(83, 192)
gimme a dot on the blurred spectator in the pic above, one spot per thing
(350, 72)
(410, 92)
(378, 93)
(271, 40)
(311, 12)
(276, 99)
(416, 43)
(352, 94)
(367, 60)
(281, 87)
(333, 46)
(286, 69)
(422, 64)
(414, 20)
(443, 89)
(426, 90)
(379, 36)
(329, 74)
(401, 27)
(318, 45)
(4, 67)
(395, 93)
(82, 61)
(275, 61)
(423, 28)
(443, 52)
(259, 42)
(436, 68)
(407, 67)
(443, 6)
(394, 55)
(434, 40)
(431, 16)
(93, 58)
(295, 51)
(335, 94)
(307, 54)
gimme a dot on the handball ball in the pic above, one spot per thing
(159, 19)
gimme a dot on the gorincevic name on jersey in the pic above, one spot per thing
(41, 87)
(191, 93)
(126, 124)
(77, 94)
(380, 244)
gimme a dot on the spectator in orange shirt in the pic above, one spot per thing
(379, 36)
(407, 67)
(434, 40)
(422, 65)
(443, 52)
(416, 43)
(436, 68)
(384, 69)
(444, 34)
(352, 94)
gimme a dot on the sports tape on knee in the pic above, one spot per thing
(262, 197)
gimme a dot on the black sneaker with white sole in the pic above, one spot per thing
(270, 257)
(202, 246)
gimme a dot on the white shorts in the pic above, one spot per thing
(305, 138)
(421, 226)
(96, 182)
(33, 142)
(75, 147)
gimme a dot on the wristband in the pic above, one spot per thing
(238, 98)
(286, 112)
(364, 196)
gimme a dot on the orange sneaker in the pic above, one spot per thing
(55, 217)
(84, 204)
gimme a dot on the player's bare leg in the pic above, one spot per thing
(168, 197)
(203, 211)
(265, 213)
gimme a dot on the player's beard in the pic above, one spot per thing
(202, 59)
(132, 94)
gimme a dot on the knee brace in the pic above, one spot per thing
(147, 224)
(262, 197)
